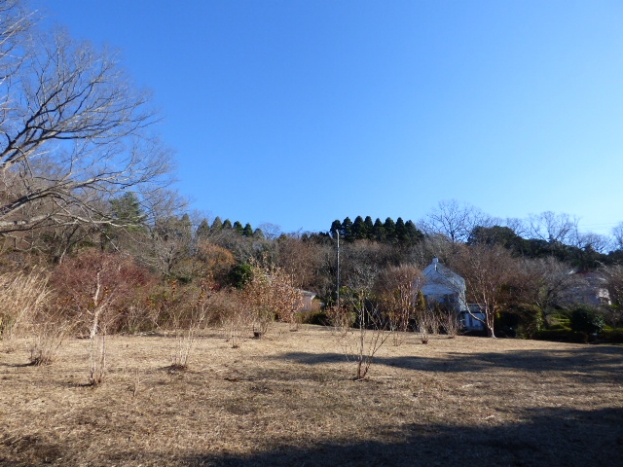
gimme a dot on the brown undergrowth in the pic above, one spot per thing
(289, 399)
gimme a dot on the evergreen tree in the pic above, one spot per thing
(203, 231)
(378, 232)
(258, 234)
(248, 230)
(414, 235)
(400, 231)
(127, 209)
(390, 229)
(227, 225)
(347, 229)
(238, 228)
(369, 227)
(359, 229)
(336, 228)
(217, 225)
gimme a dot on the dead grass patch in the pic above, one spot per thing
(289, 399)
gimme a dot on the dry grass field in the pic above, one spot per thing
(290, 400)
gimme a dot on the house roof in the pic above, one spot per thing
(439, 275)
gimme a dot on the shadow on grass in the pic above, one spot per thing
(590, 360)
(540, 438)
(544, 438)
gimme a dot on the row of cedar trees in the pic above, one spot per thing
(399, 232)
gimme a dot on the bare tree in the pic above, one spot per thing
(73, 127)
(397, 289)
(617, 233)
(551, 227)
(455, 220)
(485, 269)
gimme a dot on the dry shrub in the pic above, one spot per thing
(184, 310)
(231, 315)
(427, 323)
(449, 322)
(340, 319)
(259, 296)
(49, 330)
(21, 297)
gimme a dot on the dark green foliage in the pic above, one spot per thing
(240, 275)
(347, 230)
(586, 321)
(378, 232)
(127, 209)
(257, 233)
(336, 228)
(227, 225)
(238, 228)
(582, 259)
(398, 233)
(359, 229)
(247, 231)
(369, 227)
(389, 227)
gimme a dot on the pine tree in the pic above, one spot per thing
(227, 225)
(217, 225)
(378, 232)
(347, 229)
(400, 231)
(390, 229)
(369, 227)
(414, 235)
(203, 231)
(336, 228)
(359, 229)
(238, 228)
(248, 230)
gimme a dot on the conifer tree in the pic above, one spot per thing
(217, 225)
(400, 231)
(378, 231)
(390, 229)
(238, 228)
(248, 230)
(347, 229)
(369, 227)
(359, 229)
(203, 231)
(336, 228)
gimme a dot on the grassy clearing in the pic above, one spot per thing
(290, 399)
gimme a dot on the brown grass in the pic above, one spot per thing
(290, 399)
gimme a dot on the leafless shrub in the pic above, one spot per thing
(449, 323)
(49, 330)
(427, 324)
(370, 338)
(340, 319)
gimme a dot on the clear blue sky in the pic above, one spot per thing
(299, 112)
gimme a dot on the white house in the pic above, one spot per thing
(446, 288)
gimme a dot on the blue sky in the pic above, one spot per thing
(299, 112)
